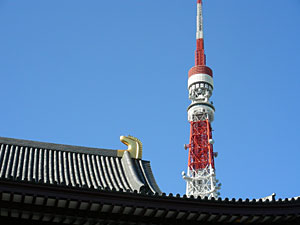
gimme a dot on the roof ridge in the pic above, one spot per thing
(58, 147)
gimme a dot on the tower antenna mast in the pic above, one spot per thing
(201, 179)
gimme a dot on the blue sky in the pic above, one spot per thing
(85, 72)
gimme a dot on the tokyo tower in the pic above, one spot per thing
(201, 179)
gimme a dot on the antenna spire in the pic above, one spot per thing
(200, 58)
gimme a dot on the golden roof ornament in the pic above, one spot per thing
(135, 147)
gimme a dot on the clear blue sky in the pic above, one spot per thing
(85, 72)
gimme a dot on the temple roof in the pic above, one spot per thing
(73, 166)
(47, 184)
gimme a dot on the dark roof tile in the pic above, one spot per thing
(73, 166)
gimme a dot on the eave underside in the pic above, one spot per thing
(32, 204)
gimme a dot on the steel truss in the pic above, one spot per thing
(200, 178)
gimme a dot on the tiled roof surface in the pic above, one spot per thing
(73, 166)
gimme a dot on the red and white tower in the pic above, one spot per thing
(200, 177)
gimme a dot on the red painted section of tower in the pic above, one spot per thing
(200, 69)
(200, 58)
(200, 146)
(201, 151)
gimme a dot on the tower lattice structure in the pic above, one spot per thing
(201, 179)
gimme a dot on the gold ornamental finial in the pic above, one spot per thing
(135, 147)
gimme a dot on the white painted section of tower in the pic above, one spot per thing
(199, 33)
(201, 77)
(201, 183)
(201, 111)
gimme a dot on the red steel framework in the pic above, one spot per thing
(200, 149)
